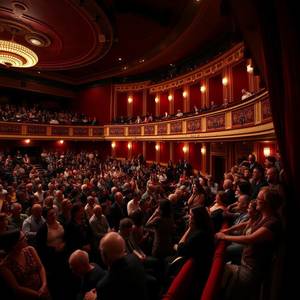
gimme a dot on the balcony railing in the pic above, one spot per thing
(250, 118)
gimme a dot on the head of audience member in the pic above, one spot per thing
(258, 174)
(243, 187)
(272, 175)
(118, 198)
(138, 217)
(59, 196)
(91, 201)
(16, 209)
(270, 161)
(49, 201)
(36, 211)
(77, 213)
(200, 219)
(221, 198)
(66, 206)
(251, 159)
(49, 215)
(12, 241)
(112, 248)
(97, 210)
(253, 213)
(268, 201)
(247, 174)
(243, 203)
(227, 185)
(125, 229)
(79, 263)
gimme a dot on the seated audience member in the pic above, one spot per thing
(90, 273)
(258, 252)
(138, 120)
(258, 181)
(179, 113)
(217, 209)
(65, 217)
(166, 115)
(98, 224)
(198, 243)
(163, 225)
(195, 110)
(198, 195)
(245, 94)
(17, 218)
(22, 270)
(32, 224)
(133, 204)
(125, 279)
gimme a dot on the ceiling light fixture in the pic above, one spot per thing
(15, 55)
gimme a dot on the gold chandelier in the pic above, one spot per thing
(16, 55)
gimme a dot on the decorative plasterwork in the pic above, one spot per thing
(232, 56)
(130, 87)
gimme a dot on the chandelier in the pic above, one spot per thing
(16, 55)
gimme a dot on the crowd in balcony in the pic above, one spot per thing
(148, 118)
(145, 220)
(38, 115)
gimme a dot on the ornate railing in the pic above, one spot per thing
(250, 118)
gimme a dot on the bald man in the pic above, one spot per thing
(90, 273)
(126, 278)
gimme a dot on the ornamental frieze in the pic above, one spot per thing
(149, 129)
(193, 125)
(176, 127)
(116, 131)
(244, 116)
(216, 122)
(134, 130)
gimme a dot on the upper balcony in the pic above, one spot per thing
(249, 119)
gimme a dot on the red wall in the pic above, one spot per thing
(121, 149)
(215, 89)
(178, 100)
(164, 103)
(95, 101)
(122, 104)
(195, 96)
(150, 151)
(195, 155)
(151, 104)
(137, 104)
(177, 152)
(137, 148)
(240, 80)
(164, 152)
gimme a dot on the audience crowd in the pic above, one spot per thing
(85, 227)
(36, 114)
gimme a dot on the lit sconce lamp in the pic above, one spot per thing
(185, 149)
(156, 99)
(225, 81)
(203, 150)
(157, 147)
(170, 97)
(184, 94)
(130, 99)
(27, 141)
(267, 151)
(113, 145)
(250, 69)
(61, 142)
(129, 145)
(202, 88)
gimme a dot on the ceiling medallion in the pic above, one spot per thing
(16, 55)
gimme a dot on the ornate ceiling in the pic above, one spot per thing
(82, 41)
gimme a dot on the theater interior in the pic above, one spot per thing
(153, 100)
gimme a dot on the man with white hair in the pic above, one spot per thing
(89, 273)
(126, 278)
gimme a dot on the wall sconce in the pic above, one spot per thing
(170, 97)
(129, 145)
(130, 99)
(267, 151)
(202, 88)
(203, 150)
(61, 142)
(225, 81)
(157, 147)
(27, 141)
(113, 145)
(250, 69)
(156, 99)
(184, 94)
(185, 149)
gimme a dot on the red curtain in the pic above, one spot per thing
(271, 32)
(240, 80)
